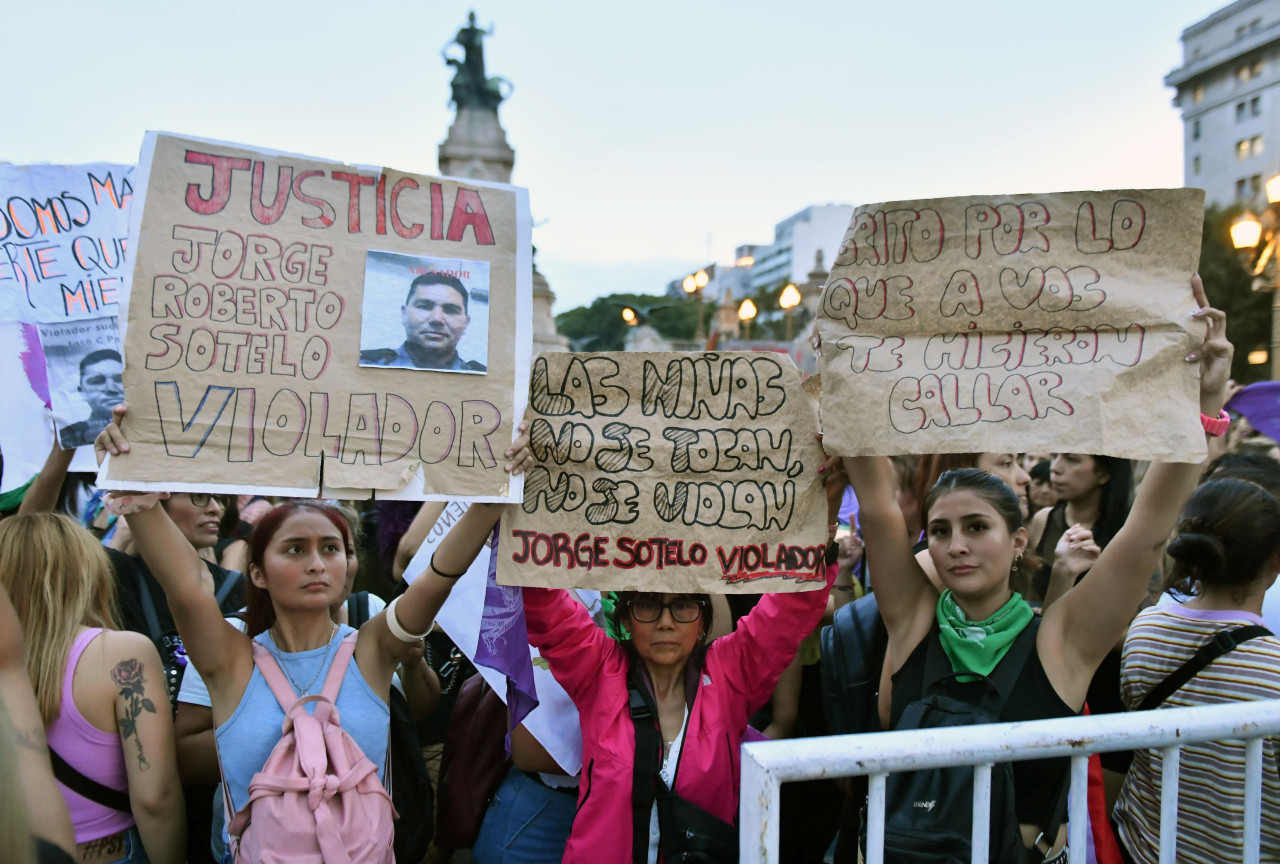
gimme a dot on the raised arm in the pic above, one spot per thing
(1091, 617)
(413, 536)
(416, 608)
(146, 736)
(47, 814)
(576, 650)
(905, 595)
(213, 645)
(42, 495)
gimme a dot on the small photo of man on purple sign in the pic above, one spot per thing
(443, 320)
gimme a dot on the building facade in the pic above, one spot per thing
(789, 258)
(1228, 89)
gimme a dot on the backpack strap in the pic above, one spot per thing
(645, 766)
(338, 669)
(228, 585)
(274, 676)
(149, 609)
(1223, 642)
(358, 609)
(1004, 677)
(1007, 672)
(1052, 822)
(87, 787)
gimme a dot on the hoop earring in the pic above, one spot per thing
(1017, 562)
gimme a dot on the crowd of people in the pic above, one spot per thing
(204, 678)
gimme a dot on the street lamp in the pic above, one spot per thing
(693, 284)
(1257, 238)
(746, 312)
(789, 300)
(629, 315)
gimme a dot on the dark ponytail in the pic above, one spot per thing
(1228, 530)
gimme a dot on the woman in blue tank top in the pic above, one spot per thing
(297, 570)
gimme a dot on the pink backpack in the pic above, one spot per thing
(318, 799)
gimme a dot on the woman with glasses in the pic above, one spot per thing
(699, 694)
(143, 606)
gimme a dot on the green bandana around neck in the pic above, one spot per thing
(977, 646)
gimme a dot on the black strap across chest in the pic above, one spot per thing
(149, 603)
(644, 774)
(86, 787)
(1223, 642)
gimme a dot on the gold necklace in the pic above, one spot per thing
(302, 691)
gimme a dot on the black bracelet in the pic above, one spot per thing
(436, 571)
(833, 552)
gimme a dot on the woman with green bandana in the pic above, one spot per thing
(976, 538)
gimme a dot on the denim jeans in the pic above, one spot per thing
(133, 851)
(526, 823)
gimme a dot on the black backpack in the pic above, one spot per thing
(929, 813)
(853, 650)
(411, 791)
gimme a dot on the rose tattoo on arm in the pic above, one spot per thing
(128, 676)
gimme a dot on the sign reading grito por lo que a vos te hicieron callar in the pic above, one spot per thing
(1054, 322)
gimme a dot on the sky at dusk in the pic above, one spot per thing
(653, 137)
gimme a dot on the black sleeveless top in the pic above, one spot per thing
(1036, 781)
(1054, 527)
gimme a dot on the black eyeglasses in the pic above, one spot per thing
(683, 610)
(200, 500)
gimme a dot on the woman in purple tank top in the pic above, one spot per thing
(101, 694)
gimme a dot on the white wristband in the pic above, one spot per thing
(393, 624)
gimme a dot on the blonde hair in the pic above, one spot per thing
(15, 831)
(60, 580)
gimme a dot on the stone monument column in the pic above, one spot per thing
(811, 290)
(811, 300)
(476, 148)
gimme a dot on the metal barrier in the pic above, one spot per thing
(768, 764)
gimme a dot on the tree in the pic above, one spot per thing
(599, 327)
(1229, 287)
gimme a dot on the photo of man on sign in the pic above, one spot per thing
(436, 313)
(84, 367)
(102, 388)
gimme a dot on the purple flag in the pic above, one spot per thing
(1260, 404)
(32, 358)
(504, 642)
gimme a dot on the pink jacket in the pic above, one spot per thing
(739, 676)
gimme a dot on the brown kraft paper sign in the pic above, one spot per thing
(293, 323)
(676, 472)
(1006, 323)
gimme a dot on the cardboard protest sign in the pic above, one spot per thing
(555, 721)
(293, 323)
(1054, 322)
(668, 472)
(63, 232)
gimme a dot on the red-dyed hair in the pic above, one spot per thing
(259, 613)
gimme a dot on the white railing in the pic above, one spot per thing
(768, 764)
